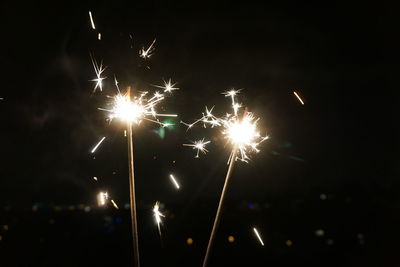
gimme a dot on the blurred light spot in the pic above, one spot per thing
(127, 206)
(189, 241)
(118, 220)
(323, 197)
(231, 239)
(87, 209)
(52, 221)
(5, 227)
(289, 243)
(250, 206)
(329, 242)
(319, 232)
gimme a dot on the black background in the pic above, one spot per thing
(330, 164)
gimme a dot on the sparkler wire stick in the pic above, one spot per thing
(221, 202)
(132, 197)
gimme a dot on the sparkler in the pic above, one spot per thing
(98, 70)
(298, 97)
(157, 215)
(174, 181)
(97, 145)
(258, 236)
(133, 110)
(241, 132)
(147, 53)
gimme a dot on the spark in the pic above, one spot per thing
(98, 144)
(199, 145)
(240, 131)
(298, 97)
(114, 204)
(158, 215)
(258, 236)
(174, 181)
(98, 70)
(168, 86)
(99, 36)
(147, 53)
(136, 109)
(101, 198)
(95, 178)
(91, 20)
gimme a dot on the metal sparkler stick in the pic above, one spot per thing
(221, 202)
(132, 196)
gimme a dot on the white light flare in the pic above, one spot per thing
(97, 145)
(258, 236)
(91, 20)
(157, 215)
(174, 181)
(99, 36)
(98, 70)
(168, 86)
(147, 53)
(102, 197)
(199, 145)
(298, 97)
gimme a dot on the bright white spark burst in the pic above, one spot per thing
(102, 197)
(91, 20)
(174, 181)
(168, 86)
(147, 53)
(98, 70)
(97, 145)
(241, 131)
(298, 97)
(137, 108)
(258, 236)
(199, 145)
(157, 215)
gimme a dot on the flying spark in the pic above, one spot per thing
(147, 53)
(98, 70)
(158, 215)
(91, 20)
(168, 86)
(174, 181)
(298, 97)
(95, 178)
(258, 236)
(136, 109)
(240, 131)
(99, 36)
(199, 146)
(98, 144)
(114, 204)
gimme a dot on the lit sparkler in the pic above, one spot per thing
(91, 20)
(199, 145)
(97, 145)
(241, 132)
(258, 236)
(174, 181)
(298, 97)
(147, 53)
(102, 197)
(157, 215)
(98, 69)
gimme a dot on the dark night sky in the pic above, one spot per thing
(338, 56)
